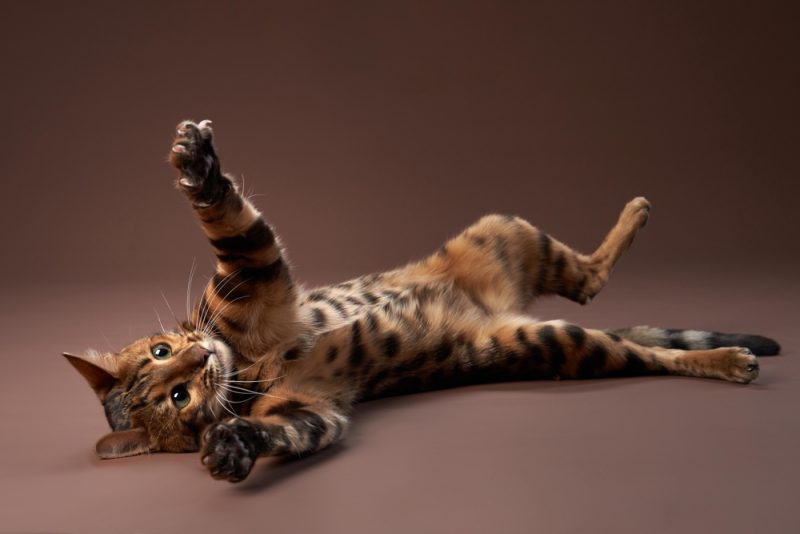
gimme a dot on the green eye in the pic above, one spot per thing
(179, 396)
(161, 351)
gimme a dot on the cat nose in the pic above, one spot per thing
(198, 356)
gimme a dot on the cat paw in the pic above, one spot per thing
(229, 451)
(740, 365)
(194, 156)
(637, 212)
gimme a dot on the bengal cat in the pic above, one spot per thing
(264, 367)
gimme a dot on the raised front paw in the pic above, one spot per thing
(194, 156)
(229, 450)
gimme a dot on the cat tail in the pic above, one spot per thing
(696, 339)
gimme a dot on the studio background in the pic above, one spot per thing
(369, 132)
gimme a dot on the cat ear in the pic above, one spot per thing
(99, 370)
(123, 443)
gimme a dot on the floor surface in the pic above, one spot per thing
(649, 454)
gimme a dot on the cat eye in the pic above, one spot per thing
(161, 351)
(179, 396)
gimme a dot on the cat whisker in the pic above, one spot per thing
(235, 372)
(189, 287)
(174, 317)
(205, 322)
(221, 402)
(203, 319)
(237, 389)
(253, 381)
(218, 313)
(108, 342)
(251, 397)
(163, 330)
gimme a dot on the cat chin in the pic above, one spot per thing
(223, 353)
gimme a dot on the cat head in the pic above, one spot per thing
(158, 392)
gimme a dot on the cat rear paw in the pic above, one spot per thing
(740, 365)
(637, 212)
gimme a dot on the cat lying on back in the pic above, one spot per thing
(264, 367)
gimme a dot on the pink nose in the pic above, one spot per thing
(200, 355)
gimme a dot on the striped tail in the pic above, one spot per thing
(696, 339)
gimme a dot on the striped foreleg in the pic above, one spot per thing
(252, 284)
(289, 422)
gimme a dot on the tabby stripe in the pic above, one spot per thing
(479, 240)
(235, 287)
(291, 354)
(139, 366)
(532, 351)
(579, 287)
(285, 407)
(418, 361)
(390, 345)
(318, 317)
(336, 305)
(316, 296)
(353, 300)
(275, 439)
(443, 351)
(333, 351)
(634, 365)
(356, 346)
(558, 267)
(308, 423)
(231, 324)
(577, 335)
(258, 236)
(593, 363)
(545, 249)
(372, 322)
(471, 353)
(675, 339)
(555, 353)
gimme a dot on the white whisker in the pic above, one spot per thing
(189, 287)
(203, 321)
(235, 371)
(218, 313)
(174, 317)
(163, 330)
(221, 402)
(251, 392)
(206, 321)
(252, 381)
(108, 342)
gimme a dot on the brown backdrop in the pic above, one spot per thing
(371, 131)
